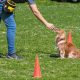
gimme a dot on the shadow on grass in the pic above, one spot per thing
(55, 55)
(52, 55)
(2, 55)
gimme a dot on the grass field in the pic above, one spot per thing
(34, 38)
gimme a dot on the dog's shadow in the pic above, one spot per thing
(55, 55)
(52, 55)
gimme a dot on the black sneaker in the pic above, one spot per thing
(13, 56)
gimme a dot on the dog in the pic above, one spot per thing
(72, 51)
(65, 49)
(61, 42)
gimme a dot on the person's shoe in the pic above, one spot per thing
(13, 56)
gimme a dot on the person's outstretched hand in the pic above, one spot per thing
(52, 27)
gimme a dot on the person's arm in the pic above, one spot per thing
(37, 13)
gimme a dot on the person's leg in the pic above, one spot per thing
(11, 29)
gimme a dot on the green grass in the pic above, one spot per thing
(34, 38)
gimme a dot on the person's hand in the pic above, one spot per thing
(52, 27)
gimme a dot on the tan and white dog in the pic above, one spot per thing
(66, 50)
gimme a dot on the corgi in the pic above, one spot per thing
(66, 50)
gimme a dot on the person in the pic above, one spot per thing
(8, 19)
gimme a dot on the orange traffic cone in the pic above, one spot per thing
(37, 72)
(69, 38)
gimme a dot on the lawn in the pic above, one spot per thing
(32, 38)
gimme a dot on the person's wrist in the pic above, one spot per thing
(46, 23)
